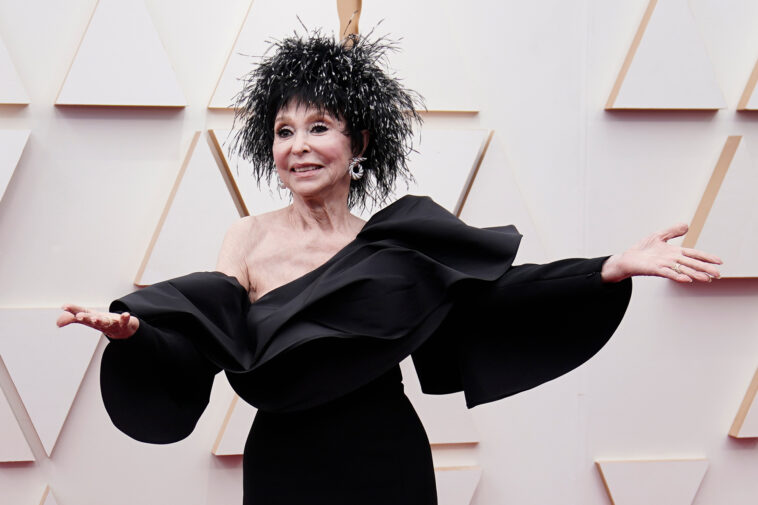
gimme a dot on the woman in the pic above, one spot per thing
(311, 309)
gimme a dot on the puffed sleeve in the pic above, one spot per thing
(533, 324)
(156, 384)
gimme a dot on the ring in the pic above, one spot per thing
(676, 268)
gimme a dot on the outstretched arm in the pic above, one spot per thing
(653, 255)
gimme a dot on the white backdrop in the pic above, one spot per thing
(82, 205)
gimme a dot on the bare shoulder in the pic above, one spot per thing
(242, 238)
(238, 234)
(231, 257)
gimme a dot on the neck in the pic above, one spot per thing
(326, 215)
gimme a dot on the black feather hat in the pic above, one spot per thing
(349, 80)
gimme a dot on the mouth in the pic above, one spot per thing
(304, 167)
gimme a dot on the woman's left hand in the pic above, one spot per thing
(655, 256)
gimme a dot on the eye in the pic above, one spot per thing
(319, 128)
(284, 132)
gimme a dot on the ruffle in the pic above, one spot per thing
(416, 280)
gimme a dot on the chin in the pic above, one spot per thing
(311, 189)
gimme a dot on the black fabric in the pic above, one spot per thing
(533, 324)
(155, 385)
(416, 281)
(367, 447)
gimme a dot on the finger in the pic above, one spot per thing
(669, 273)
(675, 231)
(124, 319)
(94, 320)
(702, 256)
(699, 266)
(694, 274)
(65, 319)
(107, 322)
(74, 309)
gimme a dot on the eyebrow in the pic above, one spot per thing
(286, 118)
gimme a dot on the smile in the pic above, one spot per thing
(305, 168)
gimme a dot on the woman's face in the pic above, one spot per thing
(311, 152)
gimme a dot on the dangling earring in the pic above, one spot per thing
(280, 182)
(355, 168)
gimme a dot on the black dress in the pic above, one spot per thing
(318, 356)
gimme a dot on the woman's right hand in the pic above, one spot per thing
(116, 326)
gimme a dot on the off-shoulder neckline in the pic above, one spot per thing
(382, 213)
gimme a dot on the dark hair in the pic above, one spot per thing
(349, 81)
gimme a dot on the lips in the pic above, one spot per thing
(299, 168)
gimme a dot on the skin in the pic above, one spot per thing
(267, 251)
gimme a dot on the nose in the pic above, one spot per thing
(300, 143)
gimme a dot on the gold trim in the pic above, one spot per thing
(749, 88)
(712, 190)
(236, 193)
(747, 402)
(630, 54)
(166, 208)
(224, 425)
(473, 173)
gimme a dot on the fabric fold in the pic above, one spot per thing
(416, 280)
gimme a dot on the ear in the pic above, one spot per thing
(364, 133)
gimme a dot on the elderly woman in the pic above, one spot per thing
(311, 309)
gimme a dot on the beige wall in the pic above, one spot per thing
(79, 212)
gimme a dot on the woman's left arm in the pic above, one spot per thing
(655, 256)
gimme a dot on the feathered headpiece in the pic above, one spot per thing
(348, 80)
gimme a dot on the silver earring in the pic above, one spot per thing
(355, 168)
(280, 183)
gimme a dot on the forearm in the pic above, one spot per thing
(613, 270)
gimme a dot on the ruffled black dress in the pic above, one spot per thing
(319, 355)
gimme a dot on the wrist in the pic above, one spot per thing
(613, 269)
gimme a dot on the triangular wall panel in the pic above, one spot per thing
(269, 20)
(445, 165)
(46, 363)
(13, 445)
(198, 212)
(256, 200)
(11, 89)
(430, 60)
(727, 217)
(12, 143)
(446, 418)
(662, 71)
(495, 199)
(670, 482)
(456, 485)
(745, 423)
(121, 61)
